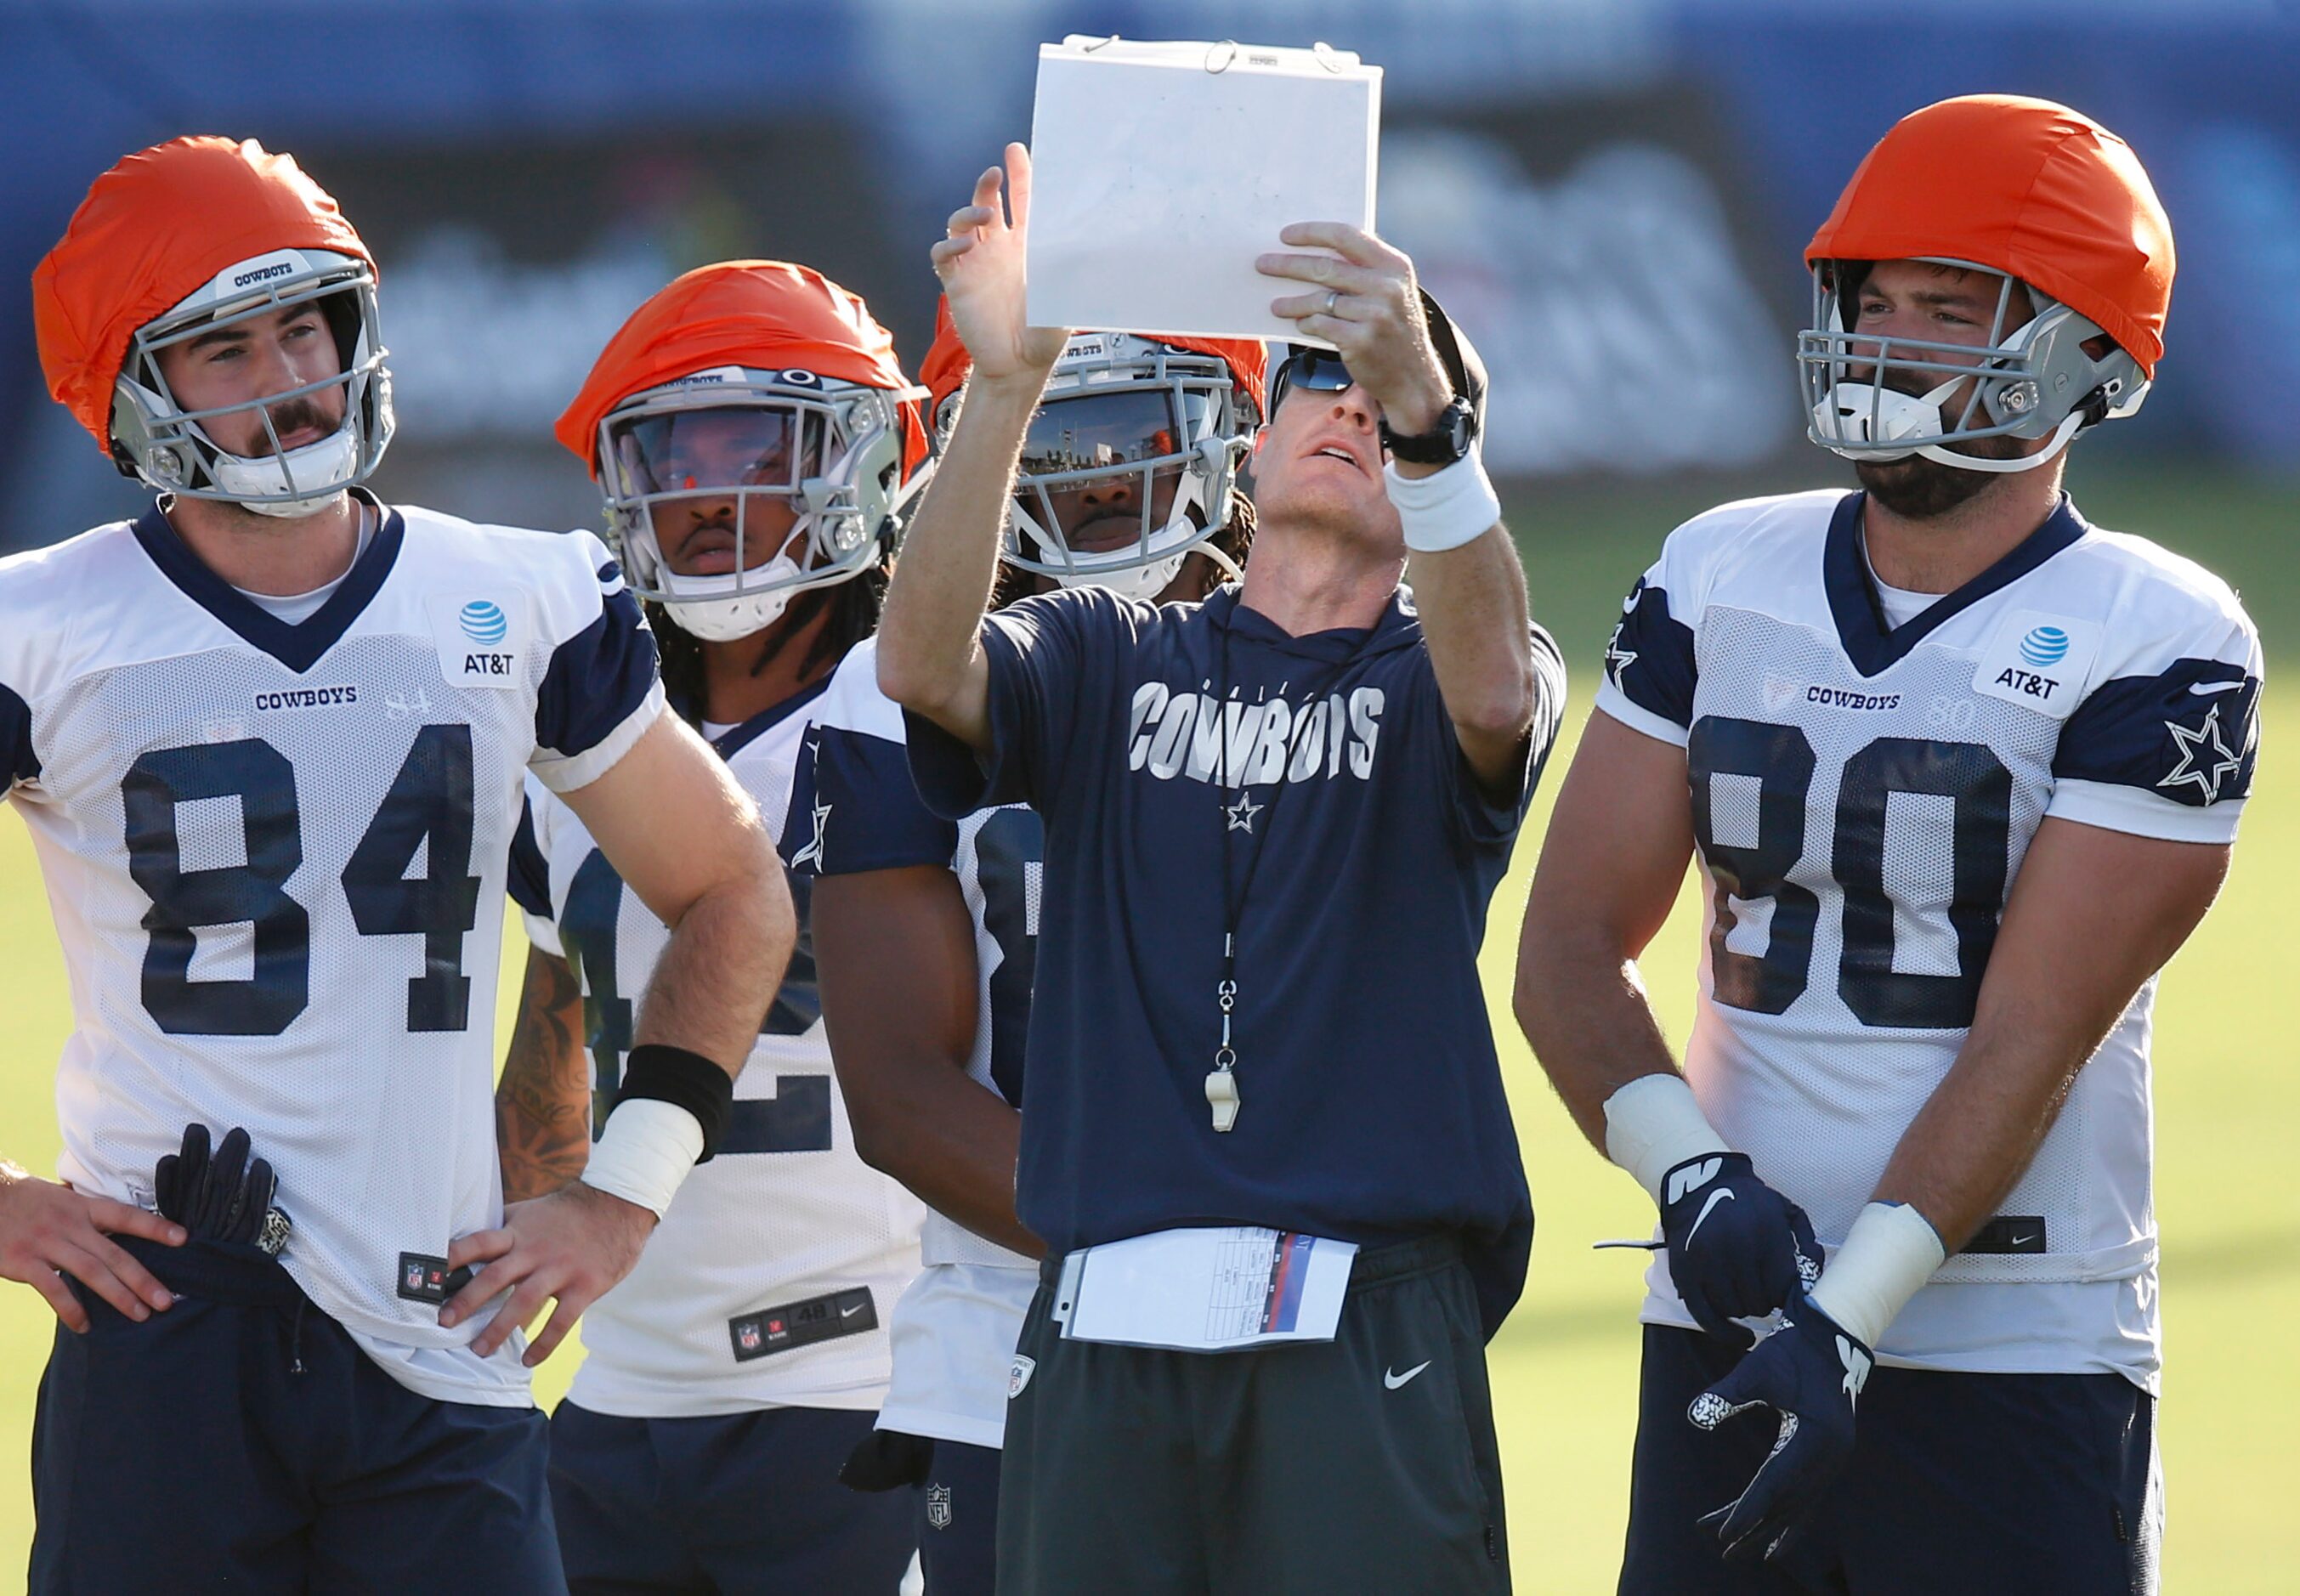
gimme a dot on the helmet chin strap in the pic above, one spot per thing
(1911, 418)
(254, 484)
(2061, 434)
(730, 615)
(1142, 582)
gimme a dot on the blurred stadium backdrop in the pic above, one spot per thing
(1611, 195)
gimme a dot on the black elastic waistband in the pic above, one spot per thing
(217, 1271)
(1372, 1266)
(1424, 1255)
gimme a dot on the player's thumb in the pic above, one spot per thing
(1742, 1388)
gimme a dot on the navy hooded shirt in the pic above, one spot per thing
(1361, 852)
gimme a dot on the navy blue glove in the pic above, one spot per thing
(223, 1197)
(1737, 1249)
(1810, 1372)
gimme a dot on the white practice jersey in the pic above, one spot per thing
(273, 852)
(1862, 797)
(857, 810)
(773, 1277)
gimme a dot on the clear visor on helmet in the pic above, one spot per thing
(1118, 476)
(714, 452)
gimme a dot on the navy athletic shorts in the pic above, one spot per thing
(2014, 1484)
(242, 1442)
(746, 1503)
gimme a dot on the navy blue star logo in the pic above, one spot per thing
(1241, 813)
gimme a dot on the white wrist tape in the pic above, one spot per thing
(1889, 1252)
(1653, 1124)
(646, 1150)
(1447, 508)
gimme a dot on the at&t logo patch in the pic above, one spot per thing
(2038, 661)
(482, 641)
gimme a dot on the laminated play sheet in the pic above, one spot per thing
(1212, 1290)
(1161, 170)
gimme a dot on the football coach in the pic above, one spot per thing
(1273, 823)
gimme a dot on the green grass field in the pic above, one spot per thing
(2228, 1100)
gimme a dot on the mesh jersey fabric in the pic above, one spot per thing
(268, 848)
(787, 1212)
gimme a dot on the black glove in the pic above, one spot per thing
(222, 1198)
(1737, 1249)
(888, 1460)
(1810, 1372)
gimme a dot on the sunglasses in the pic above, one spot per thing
(1319, 370)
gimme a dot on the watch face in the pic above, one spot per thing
(1458, 432)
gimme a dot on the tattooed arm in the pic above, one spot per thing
(543, 1103)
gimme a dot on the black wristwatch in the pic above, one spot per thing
(1447, 440)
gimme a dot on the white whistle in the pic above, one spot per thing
(1221, 1096)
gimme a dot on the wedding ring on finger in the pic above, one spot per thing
(1333, 295)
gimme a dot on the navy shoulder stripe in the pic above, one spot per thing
(2190, 733)
(529, 880)
(596, 679)
(1649, 657)
(17, 758)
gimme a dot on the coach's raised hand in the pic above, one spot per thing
(1366, 303)
(980, 263)
(48, 1231)
(928, 660)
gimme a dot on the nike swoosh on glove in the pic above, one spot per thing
(1810, 1372)
(1737, 1249)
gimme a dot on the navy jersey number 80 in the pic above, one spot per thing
(1970, 776)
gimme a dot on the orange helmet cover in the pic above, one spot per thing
(152, 231)
(2026, 187)
(766, 315)
(946, 364)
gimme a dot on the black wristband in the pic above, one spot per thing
(672, 1074)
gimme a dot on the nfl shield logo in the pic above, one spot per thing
(938, 1506)
(415, 1277)
(749, 1337)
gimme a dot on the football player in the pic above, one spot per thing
(926, 930)
(1964, 771)
(268, 739)
(756, 442)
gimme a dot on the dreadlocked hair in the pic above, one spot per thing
(854, 605)
(1235, 539)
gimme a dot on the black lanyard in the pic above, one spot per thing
(1221, 1080)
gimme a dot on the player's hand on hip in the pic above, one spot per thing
(1737, 1249)
(1810, 1372)
(980, 263)
(1365, 301)
(572, 1245)
(48, 1231)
